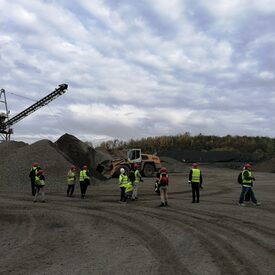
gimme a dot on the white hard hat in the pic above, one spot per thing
(122, 170)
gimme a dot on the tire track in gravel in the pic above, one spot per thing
(158, 244)
(228, 260)
(240, 259)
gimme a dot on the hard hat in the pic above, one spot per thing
(163, 170)
(247, 165)
(35, 164)
(194, 164)
(122, 170)
(85, 167)
(40, 171)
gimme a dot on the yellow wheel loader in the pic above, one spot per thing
(148, 164)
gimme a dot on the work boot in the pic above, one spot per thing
(257, 204)
(166, 203)
(242, 204)
(162, 204)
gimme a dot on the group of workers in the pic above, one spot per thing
(128, 183)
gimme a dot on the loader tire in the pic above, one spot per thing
(148, 170)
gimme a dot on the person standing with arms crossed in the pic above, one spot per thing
(195, 179)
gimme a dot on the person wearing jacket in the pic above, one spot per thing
(39, 185)
(137, 179)
(123, 183)
(163, 186)
(84, 180)
(71, 180)
(32, 176)
(247, 185)
(195, 179)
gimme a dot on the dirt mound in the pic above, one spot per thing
(16, 165)
(266, 166)
(80, 153)
(174, 166)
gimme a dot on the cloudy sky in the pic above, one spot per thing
(139, 68)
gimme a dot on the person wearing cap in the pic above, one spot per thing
(39, 185)
(32, 176)
(247, 185)
(195, 179)
(84, 180)
(71, 180)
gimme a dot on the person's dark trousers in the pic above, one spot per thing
(33, 187)
(122, 194)
(247, 195)
(245, 190)
(83, 188)
(196, 191)
(70, 189)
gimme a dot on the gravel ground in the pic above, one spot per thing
(98, 235)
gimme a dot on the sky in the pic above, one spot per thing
(136, 69)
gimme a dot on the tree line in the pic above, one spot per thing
(264, 146)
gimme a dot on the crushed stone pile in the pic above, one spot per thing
(16, 159)
(16, 165)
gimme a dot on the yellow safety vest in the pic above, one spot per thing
(137, 178)
(71, 177)
(129, 187)
(196, 175)
(244, 180)
(83, 175)
(123, 180)
(38, 181)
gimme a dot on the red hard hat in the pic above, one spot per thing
(35, 164)
(40, 171)
(194, 164)
(163, 170)
(247, 165)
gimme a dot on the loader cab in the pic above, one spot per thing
(134, 155)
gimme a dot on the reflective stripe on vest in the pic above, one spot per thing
(196, 175)
(244, 180)
(83, 175)
(123, 180)
(137, 176)
(129, 187)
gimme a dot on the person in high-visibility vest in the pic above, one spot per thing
(71, 180)
(84, 180)
(39, 185)
(195, 179)
(123, 183)
(32, 176)
(247, 185)
(137, 179)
